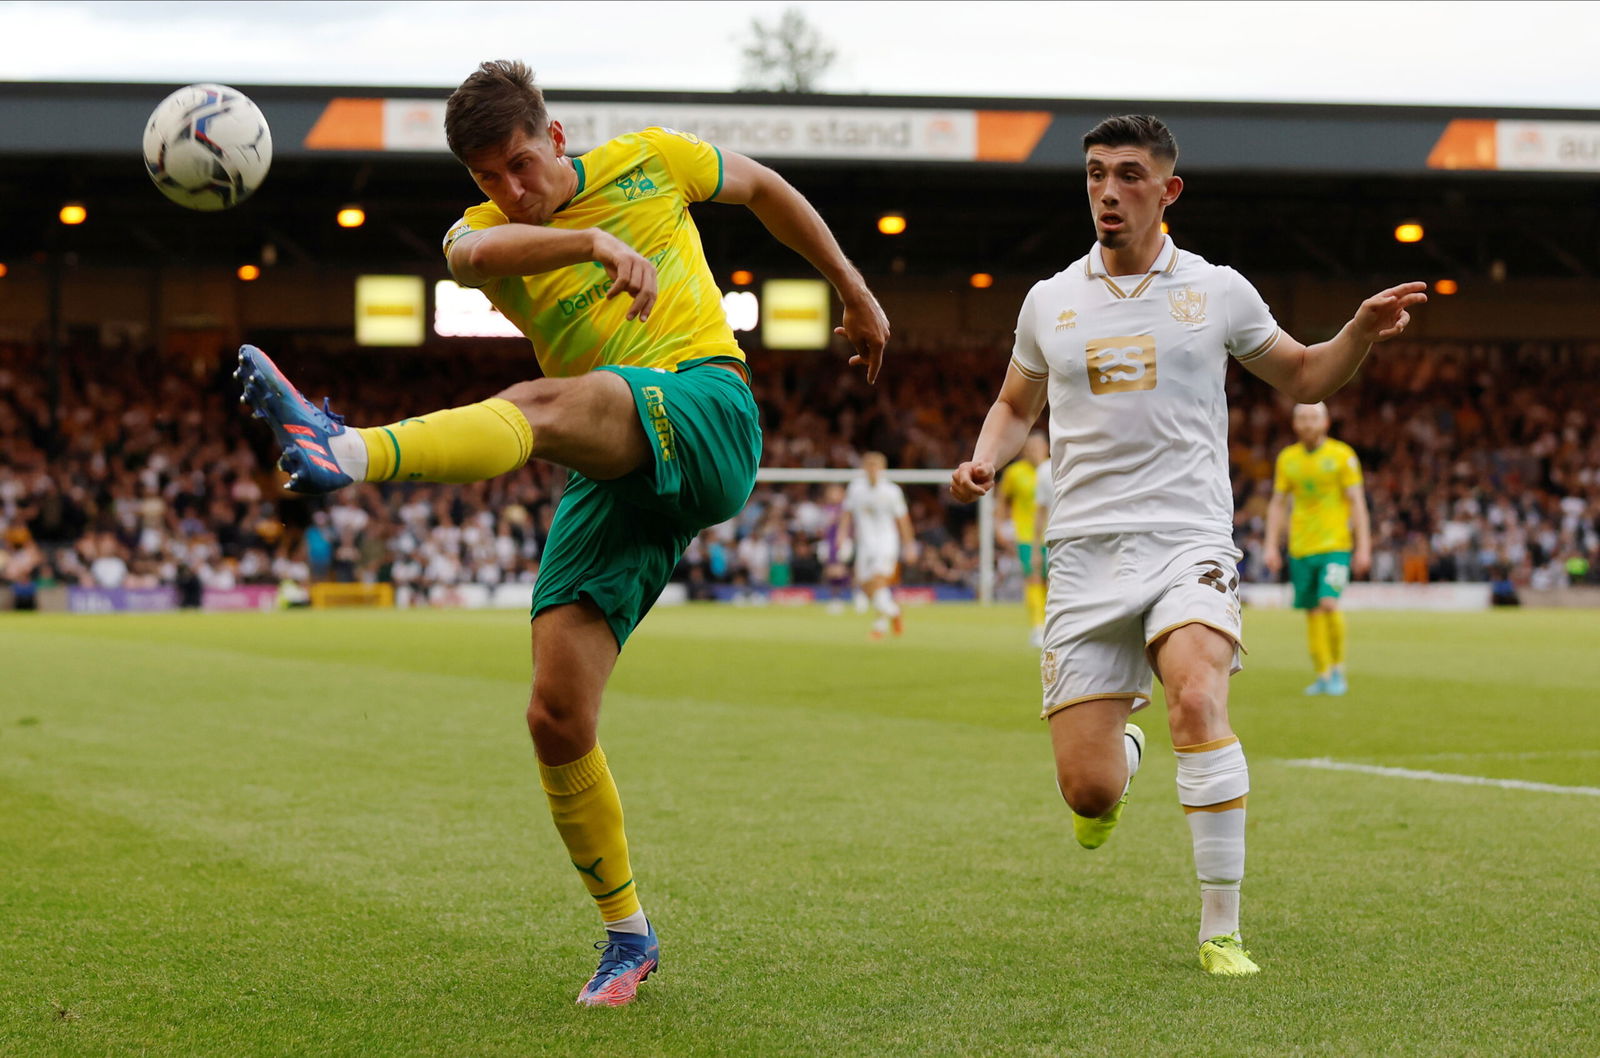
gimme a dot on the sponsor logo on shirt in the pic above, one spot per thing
(1122, 364)
(1067, 320)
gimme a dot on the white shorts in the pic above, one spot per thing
(1110, 597)
(873, 562)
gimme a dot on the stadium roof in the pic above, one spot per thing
(984, 184)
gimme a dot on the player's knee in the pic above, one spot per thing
(1091, 796)
(555, 718)
(1196, 709)
(538, 399)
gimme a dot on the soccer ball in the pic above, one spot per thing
(207, 147)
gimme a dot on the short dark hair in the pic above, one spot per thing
(1134, 130)
(496, 101)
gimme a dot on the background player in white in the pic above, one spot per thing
(1130, 346)
(875, 508)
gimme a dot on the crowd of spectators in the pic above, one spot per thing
(121, 468)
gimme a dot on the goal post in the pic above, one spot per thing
(819, 476)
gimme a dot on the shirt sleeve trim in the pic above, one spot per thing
(1027, 372)
(1262, 349)
(718, 191)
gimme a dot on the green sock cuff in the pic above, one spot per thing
(563, 780)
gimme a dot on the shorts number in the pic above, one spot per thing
(1213, 577)
(1336, 576)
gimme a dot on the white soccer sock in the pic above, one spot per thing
(634, 923)
(1131, 748)
(883, 600)
(350, 452)
(1211, 777)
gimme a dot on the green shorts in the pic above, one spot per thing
(617, 542)
(1317, 577)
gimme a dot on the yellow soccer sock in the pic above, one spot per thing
(1317, 637)
(1034, 593)
(469, 443)
(1336, 629)
(588, 814)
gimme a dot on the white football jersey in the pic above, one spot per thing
(876, 510)
(1138, 415)
(1044, 486)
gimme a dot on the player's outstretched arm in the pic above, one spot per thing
(1006, 426)
(1312, 373)
(795, 223)
(529, 249)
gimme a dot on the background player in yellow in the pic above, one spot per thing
(1018, 490)
(1318, 480)
(645, 400)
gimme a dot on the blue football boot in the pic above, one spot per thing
(626, 960)
(301, 428)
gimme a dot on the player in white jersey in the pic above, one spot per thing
(875, 508)
(1130, 346)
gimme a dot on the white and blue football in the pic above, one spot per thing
(207, 147)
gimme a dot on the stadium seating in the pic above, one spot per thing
(1482, 463)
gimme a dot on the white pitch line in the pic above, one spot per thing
(1328, 764)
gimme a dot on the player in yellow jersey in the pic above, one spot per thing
(1018, 490)
(1330, 536)
(645, 399)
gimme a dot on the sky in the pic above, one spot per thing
(1506, 54)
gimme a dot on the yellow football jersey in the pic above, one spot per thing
(1316, 481)
(637, 187)
(1017, 487)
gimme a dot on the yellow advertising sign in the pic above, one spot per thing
(389, 310)
(795, 314)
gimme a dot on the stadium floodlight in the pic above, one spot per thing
(891, 224)
(1446, 287)
(981, 280)
(742, 308)
(1410, 231)
(351, 217)
(248, 273)
(3, 269)
(73, 213)
(742, 277)
(816, 476)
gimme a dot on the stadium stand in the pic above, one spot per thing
(1478, 469)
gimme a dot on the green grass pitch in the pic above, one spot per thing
(321, 834)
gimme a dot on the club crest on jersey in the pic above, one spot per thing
(1188, 306)
(635, 184)
(1067, 320)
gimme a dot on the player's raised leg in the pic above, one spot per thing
(1194, 662)
(574, 651)
(587, 423)
(1097, 753)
